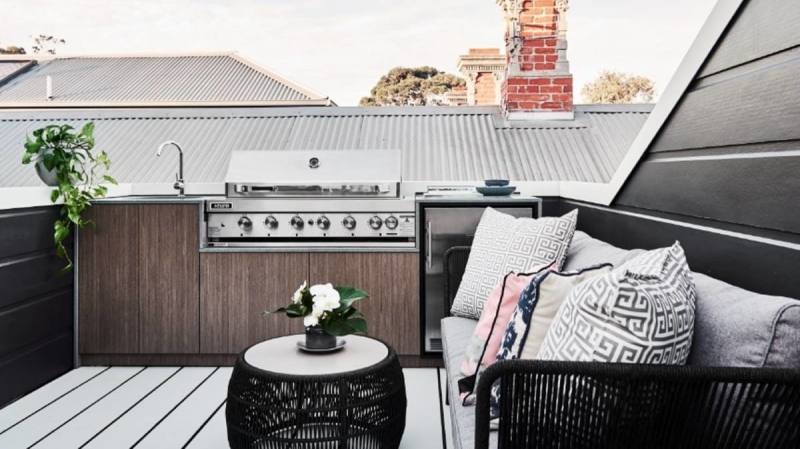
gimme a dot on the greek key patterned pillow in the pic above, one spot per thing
(641, 312)
(504, 244)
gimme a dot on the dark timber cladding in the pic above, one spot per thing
(730, 151)
(36, 304)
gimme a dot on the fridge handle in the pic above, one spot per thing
(428, 243)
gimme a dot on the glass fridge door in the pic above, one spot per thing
(444, 228)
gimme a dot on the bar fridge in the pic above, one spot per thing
(447, 227)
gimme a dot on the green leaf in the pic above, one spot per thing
(109, 179)
(349, 295)
(358, 324)
(338, 328)
(54, 195)
(296, 310)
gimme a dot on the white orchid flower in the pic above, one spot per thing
(298, 294)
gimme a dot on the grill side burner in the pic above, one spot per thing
(312, 198)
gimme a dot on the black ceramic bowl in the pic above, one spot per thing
(496, 182)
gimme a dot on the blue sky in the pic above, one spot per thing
(341, 47)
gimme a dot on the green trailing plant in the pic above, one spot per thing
(81, 174)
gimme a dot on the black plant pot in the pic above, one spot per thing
(317, 338)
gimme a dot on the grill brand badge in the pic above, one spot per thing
(220, 206)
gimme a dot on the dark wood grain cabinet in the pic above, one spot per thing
(145, 288)
(236, 288)
(391, 279)
(138, 270)
(168, 279)
(108, 282)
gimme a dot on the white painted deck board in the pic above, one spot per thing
(446, 424)
(30, 404)
(79, 430)
(39, 425)
(179, 426)
(134, 424)
(214, 435)
(168, 408)
(423, 423)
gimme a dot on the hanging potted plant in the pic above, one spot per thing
(327, 313)
(64, 159)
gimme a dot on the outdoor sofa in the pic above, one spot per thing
(740, 388)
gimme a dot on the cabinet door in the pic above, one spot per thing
(235, 290)
(168, 279)
(391, 279)
(108, 283)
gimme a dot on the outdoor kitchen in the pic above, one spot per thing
(209, 266)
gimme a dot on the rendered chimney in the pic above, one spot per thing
(484, 69)
(538, 83)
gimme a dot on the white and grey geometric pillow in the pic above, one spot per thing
(641, 312)
(503, 244)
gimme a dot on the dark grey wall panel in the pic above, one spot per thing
(30, 369)
(35, 321)
(759, 192)
(763, 27)
(747, 263)
(31, 275)
(757, 106)
(36, 303)
(26, 230)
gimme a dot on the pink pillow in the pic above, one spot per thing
(488, 334)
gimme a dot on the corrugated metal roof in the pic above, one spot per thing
(10, 67)
(439, 144)
(110, 81)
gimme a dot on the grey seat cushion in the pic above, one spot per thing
(736, 327)
(586, 251)
(455, 336)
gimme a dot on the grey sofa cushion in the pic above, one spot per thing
(736, 327)
(456, 333)
(586, 251)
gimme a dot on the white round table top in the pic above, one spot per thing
(281, 355)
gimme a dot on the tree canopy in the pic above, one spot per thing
(618, 88)
(407, 86)
(42, 43)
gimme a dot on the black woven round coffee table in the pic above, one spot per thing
(280, 397)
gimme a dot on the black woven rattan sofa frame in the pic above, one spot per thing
(596, 405)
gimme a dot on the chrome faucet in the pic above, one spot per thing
(179, 184)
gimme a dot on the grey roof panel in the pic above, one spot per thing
(439, 144)
(224, 78)
(10, 67)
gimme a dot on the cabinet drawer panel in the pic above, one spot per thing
(391, 279)
(236, 288)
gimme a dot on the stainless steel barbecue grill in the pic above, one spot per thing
(312, 198)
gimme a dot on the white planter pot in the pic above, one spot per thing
(49, 177)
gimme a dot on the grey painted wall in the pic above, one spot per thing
(728, 158)
(36, 303)
(730, 152)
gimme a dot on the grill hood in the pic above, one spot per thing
(314, 173)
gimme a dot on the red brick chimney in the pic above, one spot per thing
(538, 83)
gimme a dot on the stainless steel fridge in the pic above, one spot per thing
(449, 224)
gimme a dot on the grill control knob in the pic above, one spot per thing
(349, 222)
(271, 222)
(375, 222)
(245, 223)
(297, 222)
(391, 222)
(323, 223)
